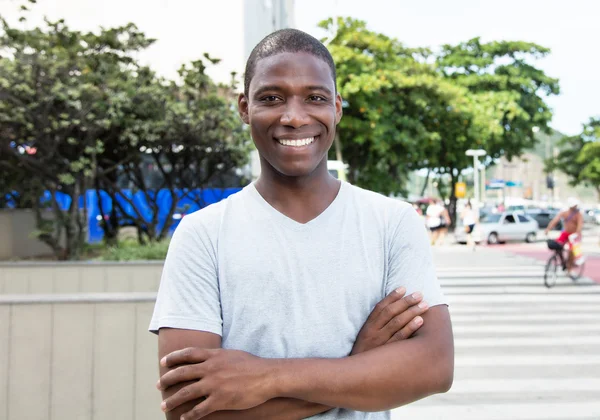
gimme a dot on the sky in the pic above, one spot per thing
(187, 28)
(568, 28)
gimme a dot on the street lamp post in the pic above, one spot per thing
(476, 153)
(483, 191)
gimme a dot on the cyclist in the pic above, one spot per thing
(572, 223)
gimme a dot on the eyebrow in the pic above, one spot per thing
(320, 87)
(267, 88)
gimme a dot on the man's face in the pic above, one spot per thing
(292, 109)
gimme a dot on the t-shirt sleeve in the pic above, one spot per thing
(188, 296)
(410, 262)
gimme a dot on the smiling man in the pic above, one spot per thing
(301, 295)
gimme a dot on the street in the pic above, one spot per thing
(522, 351)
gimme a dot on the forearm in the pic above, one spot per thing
(387, 377)
(276, 409)
(552, 223)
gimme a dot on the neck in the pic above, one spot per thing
(300, 198)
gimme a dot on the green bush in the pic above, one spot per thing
(133, 251)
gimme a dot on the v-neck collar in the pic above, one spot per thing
(323, 217)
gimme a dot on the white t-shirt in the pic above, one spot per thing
(434, 215)
(469, 217)
(281, 289)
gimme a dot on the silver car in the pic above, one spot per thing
(501, 227)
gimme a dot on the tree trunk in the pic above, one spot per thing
(425, 183)
(338, 147)
(110, 226)
(169, 219)
(71, 249)
(44, 232)
(453, 199)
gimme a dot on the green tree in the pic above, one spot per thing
(189, 132)
(579, 157)
(56, 87)
(77, 112)
(396, 105)
(505, 89)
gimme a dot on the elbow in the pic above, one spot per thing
(445, 380)
(443, 374)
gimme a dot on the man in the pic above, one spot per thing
(300, 295)
(572, 223)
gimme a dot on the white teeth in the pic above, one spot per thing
(297, 143)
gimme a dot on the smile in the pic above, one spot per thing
(296, 143)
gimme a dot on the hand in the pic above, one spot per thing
(226, 379)
(395, 318)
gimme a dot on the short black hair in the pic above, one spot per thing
(290, 41)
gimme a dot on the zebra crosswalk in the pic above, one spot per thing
(522, 351)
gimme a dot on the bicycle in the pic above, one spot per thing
(558, 259)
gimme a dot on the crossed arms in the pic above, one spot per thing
(403, 353)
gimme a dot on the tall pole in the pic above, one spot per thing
(476, 154)
(476, 178)
(483, 183)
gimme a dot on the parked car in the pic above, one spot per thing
(591, 216)
(597, 215)
(544, 217)
(501, 227)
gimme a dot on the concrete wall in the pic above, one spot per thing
(78, 357)
(15, 230)
(74, 341)
(79, 277)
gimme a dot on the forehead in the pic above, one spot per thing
(294, 70)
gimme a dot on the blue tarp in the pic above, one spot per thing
(188, 201)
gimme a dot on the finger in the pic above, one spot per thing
(403, 319)
(408, 330)
(396, 308)
(201, 410)
(386, 301)
(187, 393)
(187, 355)
(180, 374)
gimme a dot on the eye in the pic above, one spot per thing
(317, 98)
(269, 98)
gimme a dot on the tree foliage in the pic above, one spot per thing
(396, 104)
(579, 156)
(409, 109)
(77, 112)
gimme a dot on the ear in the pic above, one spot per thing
(338, 108)
(243, 108)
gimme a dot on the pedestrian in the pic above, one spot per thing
(469, 220)
(301, 294)
(438, 221)
(445, 224)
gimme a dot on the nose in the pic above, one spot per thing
(294, 113)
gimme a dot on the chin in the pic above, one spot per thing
(296, 170)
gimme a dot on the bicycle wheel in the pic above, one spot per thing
(551, 273)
